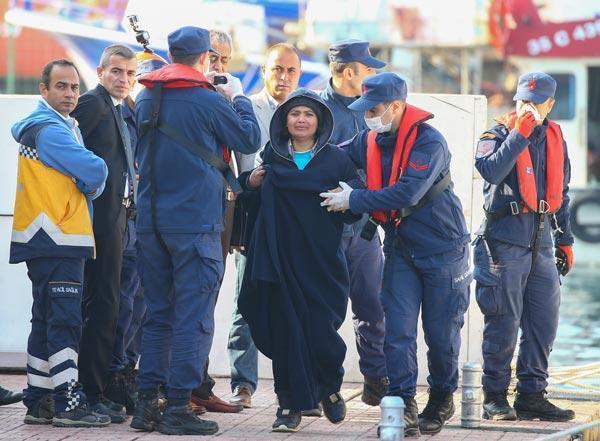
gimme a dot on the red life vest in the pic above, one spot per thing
(554, 170)
(407, 134)
(175, 76)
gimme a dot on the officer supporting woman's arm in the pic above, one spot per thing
(407, 172)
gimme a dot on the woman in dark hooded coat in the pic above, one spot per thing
(295, 289)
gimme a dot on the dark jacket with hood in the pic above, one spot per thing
(295, 286)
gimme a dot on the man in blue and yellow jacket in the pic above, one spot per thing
(52, 232)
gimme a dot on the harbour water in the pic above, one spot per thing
(578, 338)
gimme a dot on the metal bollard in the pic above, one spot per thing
(391, 427)
(471, 395)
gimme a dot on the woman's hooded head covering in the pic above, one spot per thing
(301, 97)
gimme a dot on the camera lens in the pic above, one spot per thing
(219, 79)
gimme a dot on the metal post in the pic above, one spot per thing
(10, 59)
(471, 395)
(391, 427)
(465, 81)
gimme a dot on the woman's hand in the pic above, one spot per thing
(256, 177)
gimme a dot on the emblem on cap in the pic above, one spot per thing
(531, 84)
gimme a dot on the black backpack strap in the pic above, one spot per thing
(435, 190)
(150, 128)
(203, 153)
(192, 147)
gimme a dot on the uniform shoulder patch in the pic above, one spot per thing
(485, 147)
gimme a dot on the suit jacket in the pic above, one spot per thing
(261, 104)
(103, 135)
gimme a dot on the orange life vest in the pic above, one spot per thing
(175, 76)
(554, 170)
(407, 134)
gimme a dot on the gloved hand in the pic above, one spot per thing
(337, 199)
(525, 124)
(564, 259)
(233, 87)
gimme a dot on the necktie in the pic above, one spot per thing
(128, 152)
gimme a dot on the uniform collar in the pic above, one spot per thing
(387, 139)
(539, 131)
(344, 100)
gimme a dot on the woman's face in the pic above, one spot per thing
(302, 122)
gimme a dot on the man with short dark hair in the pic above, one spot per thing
(183, 125)
(52, 232)
(350, 63)
(104, 130)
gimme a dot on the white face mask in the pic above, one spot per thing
(376, 124)
(522, 108)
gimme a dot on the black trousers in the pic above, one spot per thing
(205, 390)
(101, 309)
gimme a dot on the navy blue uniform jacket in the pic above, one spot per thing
(295, 270)
(437, 227)
(189, 190)
(495, 160)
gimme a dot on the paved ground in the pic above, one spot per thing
(253, 424)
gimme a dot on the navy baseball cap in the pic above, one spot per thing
(380, 88)
(189, 40)
(345, 51)
(536, 87)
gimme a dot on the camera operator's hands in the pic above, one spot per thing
(210, 76)
(337, 199)
(256, 177)
(233, 87)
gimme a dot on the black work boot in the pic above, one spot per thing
(496, 407)
(334, 408)
(40, 412)
(536, 405)
(439, 409)
(374, 389)
(411, 417)
(180, 420)
(147, 412)
(115, 411)
(120, 390)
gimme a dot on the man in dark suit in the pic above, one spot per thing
(104, 132)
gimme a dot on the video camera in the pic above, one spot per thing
(141, 36)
